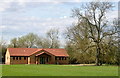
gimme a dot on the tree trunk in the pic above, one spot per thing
(98, 56)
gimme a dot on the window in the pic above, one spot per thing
(13, 58)
(62, 58)
(65, 58)
(55, 58)
(19, 58)
(59, 58)
(47, 59)
(24, 58)
(16, 58)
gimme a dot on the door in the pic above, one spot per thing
(42, 60)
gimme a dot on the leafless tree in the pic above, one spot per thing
(92, 16)
(53, 35)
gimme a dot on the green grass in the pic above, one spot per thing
(0, 70)
(58, 70)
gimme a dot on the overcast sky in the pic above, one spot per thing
(20, 17)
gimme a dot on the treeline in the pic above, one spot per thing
(92, 39)
(31, 40)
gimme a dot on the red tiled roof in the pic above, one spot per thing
(21, 51)
(57, 52)
(30, 51)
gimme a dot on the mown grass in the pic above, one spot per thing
(58, 70)
(0, 70)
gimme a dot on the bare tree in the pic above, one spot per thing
(52, 34)
(93, 16)
(31, 39)
(43, 43)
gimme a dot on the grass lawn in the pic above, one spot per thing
(58, 70)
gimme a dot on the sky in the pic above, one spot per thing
(20, 17)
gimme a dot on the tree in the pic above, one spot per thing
(71, 51)
(52, 34)
(110, 48)
(14, 43)
(79, 44)
(3, 48)
(43, 43)
(117, 41)
(92, 16)
(27, 41)
(108, 51)
(32, 40)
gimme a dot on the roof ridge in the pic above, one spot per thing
(36, 51)
(37, 48)
(22, 48)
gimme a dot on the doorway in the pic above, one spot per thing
(42, 60)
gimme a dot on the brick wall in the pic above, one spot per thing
(32, 59)
(62, 60)
(17, 60)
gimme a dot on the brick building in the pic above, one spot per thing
(36, 56)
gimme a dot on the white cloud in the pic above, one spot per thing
(112, 14)
(2, 27)
(7, 4)
(40, 26)
(63, 17)
(4, 4)
(14, 25)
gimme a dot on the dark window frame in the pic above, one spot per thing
(19, 58)
(24, 58)
(56, 58)
(13, 58)
(62, 58)
(65, 58)
(47, 60)
(59, 58)
(16, 58)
